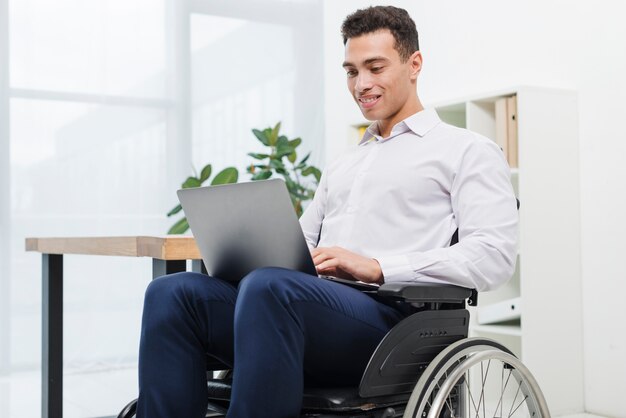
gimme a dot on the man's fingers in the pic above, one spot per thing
(328, 264)
(321, 254)
(336, 259)
(320, 258)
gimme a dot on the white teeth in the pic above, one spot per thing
(368, 100)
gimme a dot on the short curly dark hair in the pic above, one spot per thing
(374, 18)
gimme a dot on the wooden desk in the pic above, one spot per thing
(169, 255)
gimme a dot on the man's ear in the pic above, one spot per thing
(415, 60)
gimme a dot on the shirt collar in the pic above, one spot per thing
(420, 123)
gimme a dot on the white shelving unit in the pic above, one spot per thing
(548, 335)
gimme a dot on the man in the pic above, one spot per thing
(384, 212)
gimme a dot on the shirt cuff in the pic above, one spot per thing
(395, 268)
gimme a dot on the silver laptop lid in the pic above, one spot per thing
(244, 226)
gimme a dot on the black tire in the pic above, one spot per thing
(129, 410)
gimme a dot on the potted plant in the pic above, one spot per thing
(280, 159)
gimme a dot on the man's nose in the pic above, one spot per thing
(363, 83)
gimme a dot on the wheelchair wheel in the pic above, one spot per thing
(478, 378)
(129, 410)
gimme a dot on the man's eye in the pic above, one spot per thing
(376, 69)
(351, 73)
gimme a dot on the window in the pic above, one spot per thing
(110, 104)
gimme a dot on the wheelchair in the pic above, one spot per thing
(425, 367)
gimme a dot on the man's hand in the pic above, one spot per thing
(339, 262)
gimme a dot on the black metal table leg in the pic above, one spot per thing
(163, 267)
(52, 337)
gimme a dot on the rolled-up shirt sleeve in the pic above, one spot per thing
(485, 210)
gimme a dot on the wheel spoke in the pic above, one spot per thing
(449, 399)
(519, 386)
(520, 404)
(502, 387)
(467, 366)
(449, 405)
(469, 391)
(500, 403)
(482, 388)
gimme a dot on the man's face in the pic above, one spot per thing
(382, 85)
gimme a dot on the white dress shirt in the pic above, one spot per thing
(400, 199)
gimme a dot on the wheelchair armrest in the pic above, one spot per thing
(427, 292)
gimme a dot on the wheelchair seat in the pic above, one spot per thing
(316, 400)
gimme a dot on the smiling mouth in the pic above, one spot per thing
(368, 101)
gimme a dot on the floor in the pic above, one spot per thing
(86, 395)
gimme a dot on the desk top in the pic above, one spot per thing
(170, 247)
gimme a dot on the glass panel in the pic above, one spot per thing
(248, 74)
(72, 160)
(85, 170)
(97, 46)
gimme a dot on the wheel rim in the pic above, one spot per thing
(451, 355)
(489, 383)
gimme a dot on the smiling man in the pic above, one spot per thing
(387, 210)
(384, 212)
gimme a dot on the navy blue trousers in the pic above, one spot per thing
(278, 329)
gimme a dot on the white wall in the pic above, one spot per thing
(485, 45)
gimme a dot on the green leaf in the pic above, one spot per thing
(294, 143)
(258, 156)
(283, 148)
(299, 196)
(312, 170)
(262, 175)
(277, 164)
(274, 134)
(179, 227)
(282, 142)
(226, 176)
(205, 173)
(191, 182)
(306, 157)
(292, 157)
(283, 152)
(261, 136)
(174, 211)
(317, 173)
(291, 185)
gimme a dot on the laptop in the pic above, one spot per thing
(245, 226)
